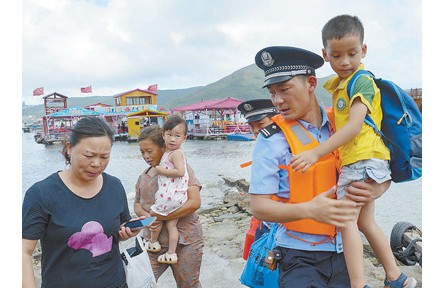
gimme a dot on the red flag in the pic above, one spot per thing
(153, 88)
(86, 89)
(37, 91)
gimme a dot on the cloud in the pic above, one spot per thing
(120, 45)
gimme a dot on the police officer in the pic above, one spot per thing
(310, 251)
(258, 113)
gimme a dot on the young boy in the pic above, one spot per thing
(363, 154)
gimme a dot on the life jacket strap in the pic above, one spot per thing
(325, 240)
(284, 167)
(245, 164)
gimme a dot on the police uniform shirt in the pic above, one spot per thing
(267, 178)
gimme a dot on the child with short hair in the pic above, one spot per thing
(363, 154)
(173, 184)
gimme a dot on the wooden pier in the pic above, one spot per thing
(218, 132)
(204, 136)
(416, 93)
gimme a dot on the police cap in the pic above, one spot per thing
(257, 109)
(281, 63)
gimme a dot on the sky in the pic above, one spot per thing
(117, 46)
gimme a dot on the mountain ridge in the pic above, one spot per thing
(243, 84)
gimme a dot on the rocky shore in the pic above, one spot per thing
(224, 228)
(224, 231)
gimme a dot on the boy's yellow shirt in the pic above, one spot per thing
(367, 144)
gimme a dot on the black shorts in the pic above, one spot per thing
(318, 269)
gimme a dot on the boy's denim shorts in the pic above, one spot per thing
(376, 169)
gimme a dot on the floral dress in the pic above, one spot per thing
(172, 192)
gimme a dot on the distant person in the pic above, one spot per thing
(258, 113)
(172, 186)
(146, 122)
(77, 214)
(363, 155)
(309, 251)
(190, 247)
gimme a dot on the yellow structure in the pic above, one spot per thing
(140, 109)
(135, 97)
(138, 120)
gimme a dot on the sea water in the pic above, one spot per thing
(211, 160)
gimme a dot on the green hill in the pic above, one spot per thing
(243, 84)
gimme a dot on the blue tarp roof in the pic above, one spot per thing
(74, 111)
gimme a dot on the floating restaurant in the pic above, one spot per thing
(132, 111)
(214, 119)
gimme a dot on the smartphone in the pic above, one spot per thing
(140, 223)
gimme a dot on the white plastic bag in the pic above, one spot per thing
(137, 264)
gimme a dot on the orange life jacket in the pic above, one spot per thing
(305, 186)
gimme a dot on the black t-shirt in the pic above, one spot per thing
(79, 237)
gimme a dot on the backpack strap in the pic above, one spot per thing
(350, 92)
(368, 119)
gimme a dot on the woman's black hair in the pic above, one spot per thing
(87, 127)
(153, 133)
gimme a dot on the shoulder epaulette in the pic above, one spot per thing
(270, 130)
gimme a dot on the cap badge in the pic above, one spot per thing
(248, 107)
(267, 59)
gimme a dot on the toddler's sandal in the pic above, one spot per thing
(153, 247)
(400, 282)
(168, 258)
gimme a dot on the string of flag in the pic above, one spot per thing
(153, 88)
(39, 91)
(86, 89)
